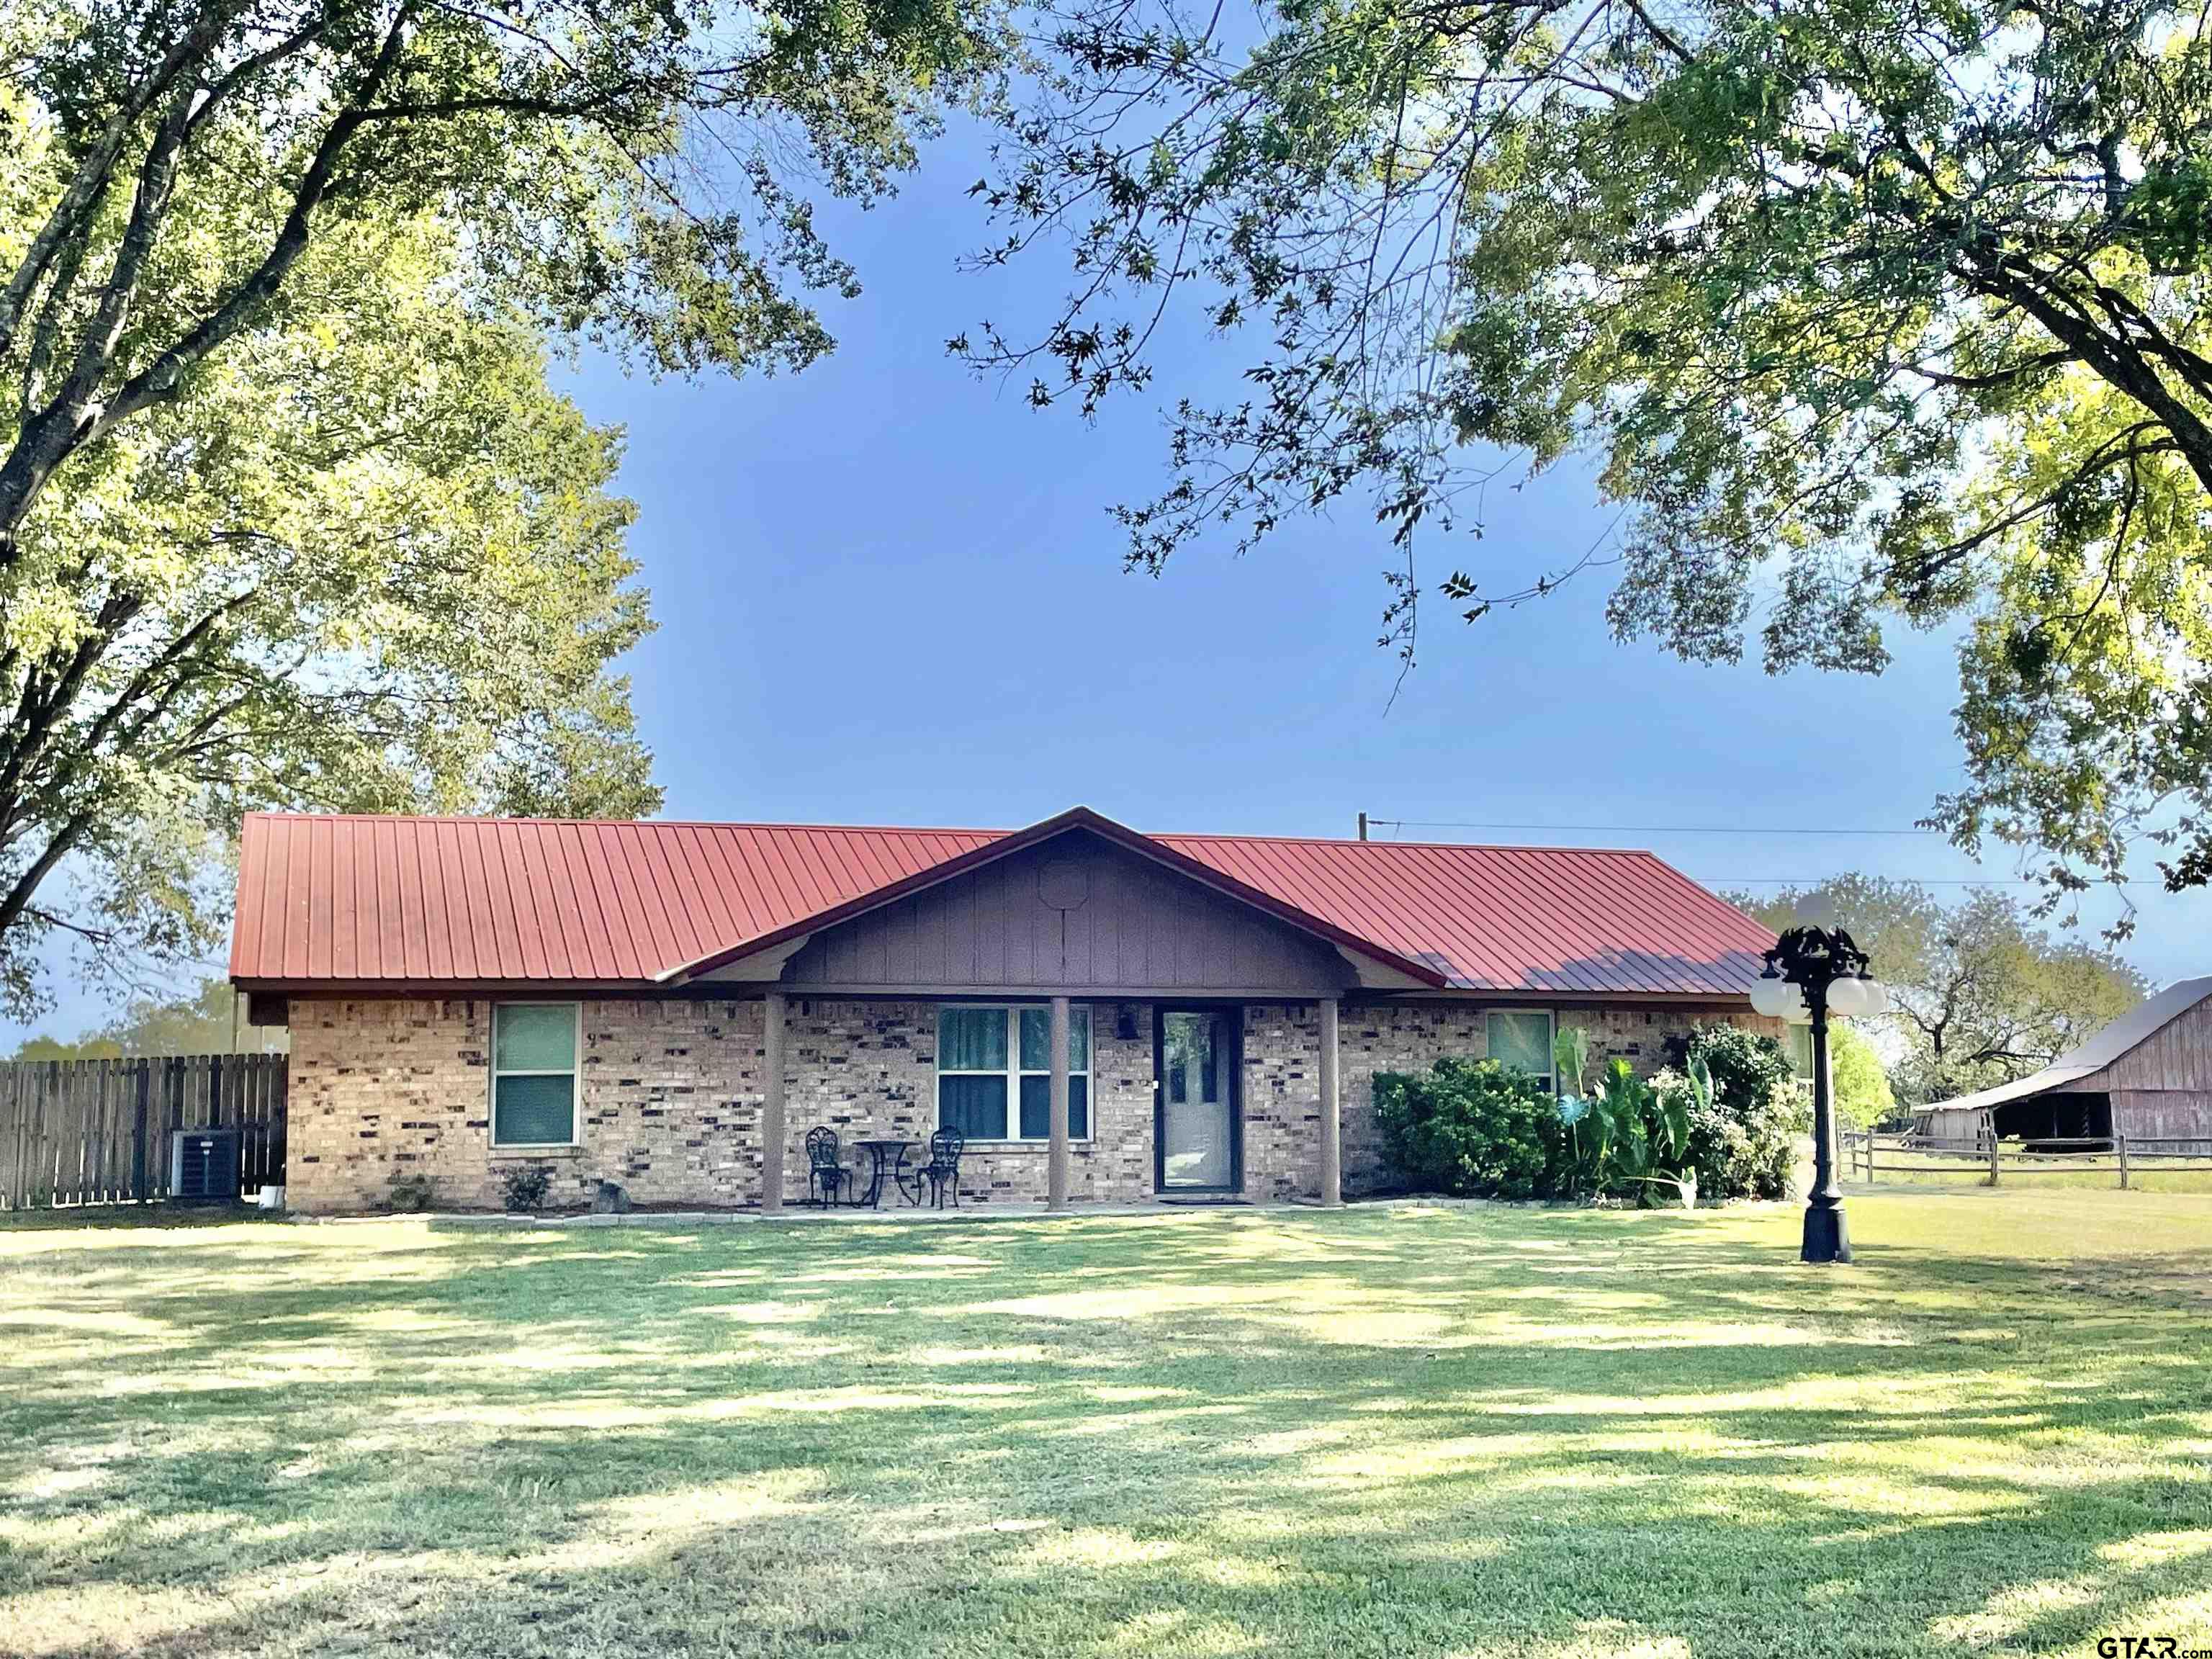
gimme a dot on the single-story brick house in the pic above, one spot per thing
(1107, 1015)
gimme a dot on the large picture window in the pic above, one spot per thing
(1523, 1038)
(994, 1073)
(533, 1073)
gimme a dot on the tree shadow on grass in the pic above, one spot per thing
(1203, 1436)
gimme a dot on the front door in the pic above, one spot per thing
(1197, 1126)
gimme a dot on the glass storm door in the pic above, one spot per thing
(1197, 1127)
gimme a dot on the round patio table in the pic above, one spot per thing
(886, 1154)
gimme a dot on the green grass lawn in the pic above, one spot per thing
(1387, 1432)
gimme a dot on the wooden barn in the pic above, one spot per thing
(2146, 1076)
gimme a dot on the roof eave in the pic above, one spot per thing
(309, 985)
(2022, 1088)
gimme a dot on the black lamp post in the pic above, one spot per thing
(1817, 971)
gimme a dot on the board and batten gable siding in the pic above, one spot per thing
(2161, 1088)
(1132, 926)
(2177, 1055)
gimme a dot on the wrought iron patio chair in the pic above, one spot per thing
(826, 1177)
(942, 1169)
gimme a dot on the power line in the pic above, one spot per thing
(1637, 829)
(1916, 881)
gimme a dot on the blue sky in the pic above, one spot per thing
(889, 593)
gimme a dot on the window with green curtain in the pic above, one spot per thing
(533, 1073)
(1036, 1107)
(975, 1104)
(971, 1072)
(994, 1073)
(1522, 1038)
(971, 1040)
(1036, 1040)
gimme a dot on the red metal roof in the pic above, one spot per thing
(395, 902)
(1511, 918)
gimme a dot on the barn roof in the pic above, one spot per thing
(2141, 1023)
(386, 902)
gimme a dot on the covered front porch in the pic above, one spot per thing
(1060, 1100)
(1095, 1021)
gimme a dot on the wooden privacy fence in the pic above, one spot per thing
(98, 1131)
(1868, 1157)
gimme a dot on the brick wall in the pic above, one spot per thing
(670, 1108)
(670, 1095)
(870, 1069)
(382, 1089)
(1282, 1100)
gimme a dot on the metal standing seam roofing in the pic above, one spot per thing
(419, 900)
(2101, 1049)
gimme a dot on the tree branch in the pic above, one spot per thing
(90, 182)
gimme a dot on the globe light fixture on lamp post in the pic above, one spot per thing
(1811, 973)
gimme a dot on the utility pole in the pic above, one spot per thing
(1362, 826)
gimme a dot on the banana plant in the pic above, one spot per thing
(1701, 1085)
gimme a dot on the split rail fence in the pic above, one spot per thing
(1869, 1157)
(75, 1131)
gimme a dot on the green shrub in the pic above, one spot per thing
(1743, 1144)
(1478, 1128)
(1473, 1128)
(525, 1186)
(412, 1193)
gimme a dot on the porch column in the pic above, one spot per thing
(1332, 1115)
(771, 1117)
(1056, 1154)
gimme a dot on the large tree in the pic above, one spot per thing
(1981, 994)
(1891, 308)
(288, 515)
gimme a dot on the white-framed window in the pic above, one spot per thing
(534, 1047)
(1522, 1037)
(994, 1071)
